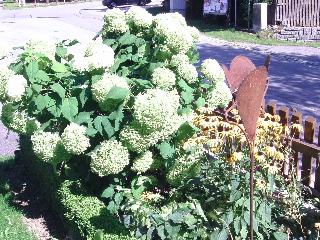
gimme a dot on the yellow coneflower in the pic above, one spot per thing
(234, 157)
(276, 118)
(297, 127)
(261, 185)
(317, 226)
(234, 111)
(270, 151)
(273, 169)
(286, 130)
(279, 156)
(260, 158)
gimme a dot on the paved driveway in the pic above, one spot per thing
(294, 73)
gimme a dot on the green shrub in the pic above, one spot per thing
(88, 213)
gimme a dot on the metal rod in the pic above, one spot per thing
(235, 13)
(252, 165)
(249, 15)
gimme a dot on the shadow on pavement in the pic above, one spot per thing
(293, 83)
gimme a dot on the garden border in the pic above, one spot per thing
(305, 144)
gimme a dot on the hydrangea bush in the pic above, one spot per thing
(116, 113)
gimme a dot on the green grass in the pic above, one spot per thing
(10, 5)
(232, 35)
(11, 226)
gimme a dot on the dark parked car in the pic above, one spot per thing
(115, 3)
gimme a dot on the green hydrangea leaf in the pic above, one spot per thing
(83, 117)
(56, 87)
(61, 51)
(127, 39)
(41, 102)
(186, 131)
(53, 108)
(91, 131)
(69, 108)
(36, 87)
(187, 97)
(32, 70)
(166, 150)
(280, 235)
(118, 93)
(117, 116)
(84, 96)
(102, 123)
(108, 192)
(42, 77)
(59, 67)
(200, 102)
(185, 86)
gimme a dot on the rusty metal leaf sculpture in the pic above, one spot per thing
(249, 98)
(249, 85)
(240, 67)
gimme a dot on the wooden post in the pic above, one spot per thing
(317, 177)
(272, 107)
(309, 128)
(296, 118)
(284, 116)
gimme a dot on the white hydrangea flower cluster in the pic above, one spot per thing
(5, 49)
(175, 18)
(16, 86)
(179, 59)
(139, 17)
(74, 139)
(212, 70)
(163, 78)
(143, 163)
(194, 33)
(91, 55)
(110, 157)
(187, 72)
(115, 21)
(171, 29)
(41, 45)
(136, 138)
(12, 86)
(155, 108)
(47, 147)
(17, 121)
(5, 74)
(220, 96)
(101, 88)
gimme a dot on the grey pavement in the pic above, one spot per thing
(294, 72)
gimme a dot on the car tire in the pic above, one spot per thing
(112, 5)
(142, 3)
(109, 3)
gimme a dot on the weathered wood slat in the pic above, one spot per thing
(304, 13)
(309, 129)
(284, 116)
(271, 107)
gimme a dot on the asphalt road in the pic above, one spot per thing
(294, 71)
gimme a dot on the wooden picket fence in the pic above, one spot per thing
(305, 145)
(298, 13)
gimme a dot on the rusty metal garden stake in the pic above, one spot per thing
(249, 85)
